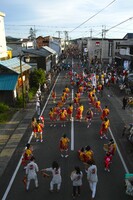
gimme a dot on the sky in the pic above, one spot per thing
(51, 17)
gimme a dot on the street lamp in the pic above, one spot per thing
(21, 74)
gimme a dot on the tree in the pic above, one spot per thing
(37, 77)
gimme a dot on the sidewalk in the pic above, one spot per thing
(115, 97)
(12, 133)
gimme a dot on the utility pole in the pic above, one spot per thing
(59, 33)
(91, 33)
(66, 37)
(103, 36)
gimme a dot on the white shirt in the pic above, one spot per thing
(31, 169)
(76, 178)
(92, 173)
(56, 175)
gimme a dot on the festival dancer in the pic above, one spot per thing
(31, 173)
(64, 97)
(104, 128)
(79, 112)
(40, 126)
(56, 176)
(63, 116)
(88, 117)
(54, 96)
(64, 144)
(105, 112)
(76, 101)
(28, 153)
(88, 154)
(67, 90)
(70, 111)
(52, 116)
(34, 127)
(56, 111)
(110, 147)
(98, 106)
(81, 154)
(107, 161)
(81, 89)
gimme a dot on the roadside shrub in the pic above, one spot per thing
(4, 108)
(5, 113)
(32, 93)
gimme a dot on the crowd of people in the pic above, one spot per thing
(64, 109)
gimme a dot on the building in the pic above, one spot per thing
(124, 57)
(103, 50)
(14, 80)
(40, 58)
(57, 44)
(3, 48)
(17, 45)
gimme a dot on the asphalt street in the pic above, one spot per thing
(110, 185)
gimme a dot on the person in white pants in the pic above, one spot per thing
(92, 177)
(31, 172)
(56, 176)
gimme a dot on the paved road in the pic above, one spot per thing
(110, 185)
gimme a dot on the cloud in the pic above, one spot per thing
(67, 14)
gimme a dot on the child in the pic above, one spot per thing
(107, 161)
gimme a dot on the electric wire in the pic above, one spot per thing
(93, 16)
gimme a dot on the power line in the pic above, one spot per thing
(93, 16)
(119, 24)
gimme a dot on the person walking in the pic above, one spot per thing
(31, 173)
(56, 176)
(124, 101)
(92, 177)
(76, 178)
(38, 107)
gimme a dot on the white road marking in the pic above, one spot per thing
(119, 153)
(19, 163)
(118, 150)
(72, 135)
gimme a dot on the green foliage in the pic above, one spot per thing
(32, 93)
(5, 113)
(37, 77)
(3, 108)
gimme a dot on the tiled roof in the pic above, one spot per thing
(49, 49)
(39, 52)
(8, 81)
(14, 65)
